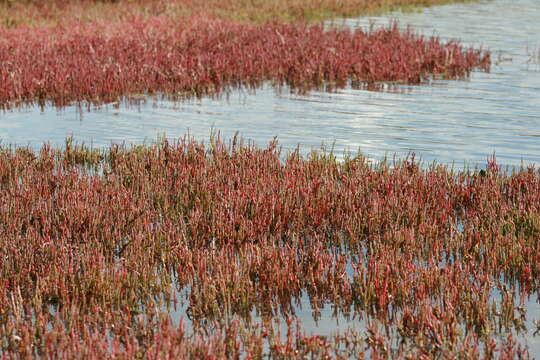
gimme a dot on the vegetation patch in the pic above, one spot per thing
(55, 12)
(104, 62)
(98, 248)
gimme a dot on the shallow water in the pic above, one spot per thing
(446, 121)
(327, 321)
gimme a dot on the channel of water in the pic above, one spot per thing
(451, 122)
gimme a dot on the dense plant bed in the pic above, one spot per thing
(97, 246)
(103, 62)
(15, 13)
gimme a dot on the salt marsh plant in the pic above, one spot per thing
(104, 62)
(43, 13)
(436, 262)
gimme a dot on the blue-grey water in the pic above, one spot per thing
(446, 121)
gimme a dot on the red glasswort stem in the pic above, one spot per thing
(95, 246)
(101, 62)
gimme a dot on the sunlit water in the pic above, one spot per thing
(327, 321)
(446, 121)
(450, 122)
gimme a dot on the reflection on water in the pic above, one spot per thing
(446, 121)
(330, 320)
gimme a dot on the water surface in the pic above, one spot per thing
(451, 122)
(446, 121)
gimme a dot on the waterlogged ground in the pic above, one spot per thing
(447, 121)
(326, 320)
(413, 262)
